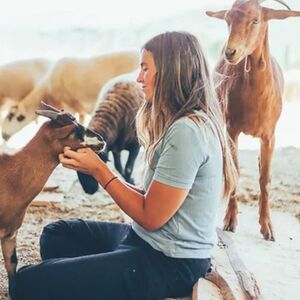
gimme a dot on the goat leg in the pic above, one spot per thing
(10, 260)
(230, 220)
(133, 153)
(266, 152)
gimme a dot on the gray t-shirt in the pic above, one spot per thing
(188, 157)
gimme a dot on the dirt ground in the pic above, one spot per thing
(283, 255)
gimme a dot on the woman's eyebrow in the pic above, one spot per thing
(143, 64)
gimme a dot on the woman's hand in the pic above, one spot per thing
(83, 160)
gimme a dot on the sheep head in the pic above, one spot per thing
(67, 125)
(18, 117)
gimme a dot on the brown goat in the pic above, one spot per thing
(251, 88)
(24, 174)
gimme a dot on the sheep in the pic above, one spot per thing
(17, 79)
(114, 119)
(73, 84)
(24, 174)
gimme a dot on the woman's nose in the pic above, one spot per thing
(139, 78)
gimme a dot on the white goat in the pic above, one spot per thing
(17, 79)
(72, 84)
(24, 174)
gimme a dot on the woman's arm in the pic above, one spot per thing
(136, 188)
(151, 210)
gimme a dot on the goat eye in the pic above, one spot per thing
(20, 118)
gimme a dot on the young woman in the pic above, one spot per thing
(188, 169)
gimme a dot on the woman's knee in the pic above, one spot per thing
(53, 238)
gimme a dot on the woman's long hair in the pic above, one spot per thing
(182, 87)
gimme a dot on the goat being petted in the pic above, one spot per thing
(250, 88)
(24, 174)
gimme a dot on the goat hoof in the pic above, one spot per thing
(267, 231)
(230, 223)
(268, 235)
(229, 227)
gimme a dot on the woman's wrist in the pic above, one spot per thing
(103, 174)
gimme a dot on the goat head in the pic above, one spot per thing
(89, 137)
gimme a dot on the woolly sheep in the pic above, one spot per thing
(72, 84)
(17, 79)
(114, 119)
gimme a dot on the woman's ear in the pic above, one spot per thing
(63, 132)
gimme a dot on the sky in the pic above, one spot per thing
(104, 13)
(50, 14)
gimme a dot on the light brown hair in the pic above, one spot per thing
(182, 87)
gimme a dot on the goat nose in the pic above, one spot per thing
(230, 53)
(5, 136)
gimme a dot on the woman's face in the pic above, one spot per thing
(147, 74)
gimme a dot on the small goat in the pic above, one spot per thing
(114, 119)
(252, 91)
(18, 79)
(73, 84)
(24, 174)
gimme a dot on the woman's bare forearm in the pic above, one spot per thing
(129, 197)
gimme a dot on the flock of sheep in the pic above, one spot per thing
(74, 84)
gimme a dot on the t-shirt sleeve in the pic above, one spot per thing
(183, 152)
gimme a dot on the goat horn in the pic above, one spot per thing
(62, 118)
(53, 115)
(46, 106)
(279, 1)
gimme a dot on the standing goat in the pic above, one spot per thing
(24, 174)
(252, 92)
(114, 119)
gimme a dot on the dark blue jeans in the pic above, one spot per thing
(89, 260)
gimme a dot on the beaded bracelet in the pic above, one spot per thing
(109, 181)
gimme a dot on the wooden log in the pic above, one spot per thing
(222, 284)
(245, 277)
(206, 290)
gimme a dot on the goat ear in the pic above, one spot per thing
(63, 132)
(279, 14)
(217, 14)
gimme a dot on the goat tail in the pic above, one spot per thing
(88, 183)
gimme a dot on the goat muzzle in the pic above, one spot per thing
(230, 53)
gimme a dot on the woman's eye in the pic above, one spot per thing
(255, 21)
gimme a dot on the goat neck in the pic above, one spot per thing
(258, 63)
(37, 164)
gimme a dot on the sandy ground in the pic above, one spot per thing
(275, 265)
